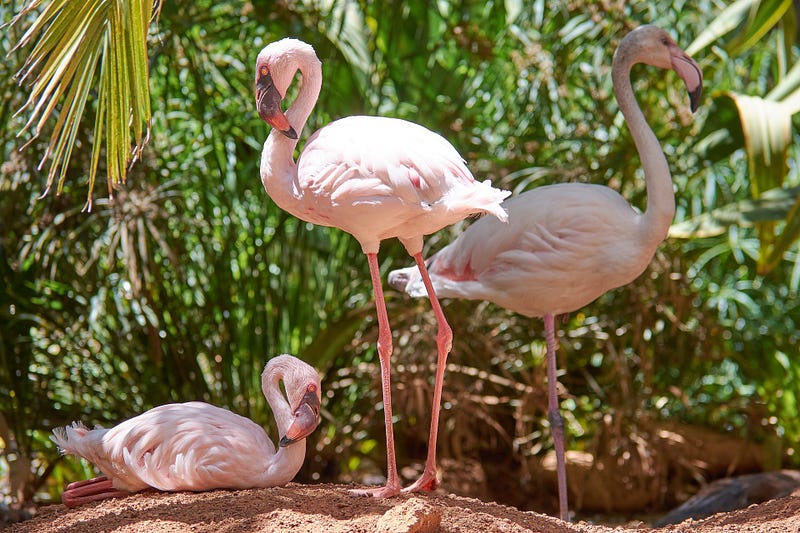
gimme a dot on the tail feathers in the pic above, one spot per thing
(485, 198)
(67, 438)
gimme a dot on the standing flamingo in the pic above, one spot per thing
(196, 446)
(375, 178)
(567, 244)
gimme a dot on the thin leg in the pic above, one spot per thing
(444, 342)
(392, 487)
(90, 490)
(554, 415)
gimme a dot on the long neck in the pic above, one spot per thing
(284, 465)
(660, 195)
(278, 169)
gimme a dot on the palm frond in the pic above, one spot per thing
(70, 41)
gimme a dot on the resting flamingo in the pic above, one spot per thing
(567, 244)
(375, 178)
(196, 446)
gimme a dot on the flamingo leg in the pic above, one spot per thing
(90, 490)
(554, 415)
(444, 343)
(392, 486)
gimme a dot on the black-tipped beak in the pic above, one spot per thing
(268, 102)
(694, 98)
(306, 418)
(689, 71)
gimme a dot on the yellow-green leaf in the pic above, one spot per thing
(767, 133)
(763, 16)
(791, 231)
(730, 18)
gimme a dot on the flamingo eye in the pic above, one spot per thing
(263, 70)
(312, 388)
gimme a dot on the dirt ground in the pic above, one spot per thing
(329, 508)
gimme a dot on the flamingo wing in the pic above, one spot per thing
(390, 158)
(188, 446)
(381, 177)
(552, 229)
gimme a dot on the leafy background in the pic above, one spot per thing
(182, 285)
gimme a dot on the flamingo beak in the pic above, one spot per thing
(689, 71)
(306, 418)
(268, 101)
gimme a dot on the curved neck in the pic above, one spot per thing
(660, 195)
(284, 465)
(278, 169)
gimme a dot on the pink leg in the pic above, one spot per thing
(90, 490)
(553, 414)
(444, 342)
(392, 487)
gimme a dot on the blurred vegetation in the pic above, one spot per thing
(184, 284)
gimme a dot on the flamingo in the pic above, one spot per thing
(196, 446)
(375, 178)
(567, 244)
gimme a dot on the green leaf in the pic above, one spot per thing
(791, 232)
(732, 17)
(788, 90)
(345, 28)
(764, 15)
(772, 206)
(331, 341)
(756, 17)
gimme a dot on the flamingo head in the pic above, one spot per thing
(654, 46)
(306, 415)
(275, 67)
(268, 101)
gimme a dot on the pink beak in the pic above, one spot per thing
(689, 71)
(306, 418)
(268, 100)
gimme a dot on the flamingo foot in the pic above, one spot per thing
(91, 490)
(386, 491)
(427, 482)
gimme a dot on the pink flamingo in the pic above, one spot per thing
(196, 446)
(375, 178)
(567, 244)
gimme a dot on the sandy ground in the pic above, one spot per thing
(329, 508)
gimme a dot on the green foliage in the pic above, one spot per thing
(764, 122)
(71, 38)
(190, 279)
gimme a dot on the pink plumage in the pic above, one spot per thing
(554, 255)
(375, 178)
(567, 244)
(197, 446)
(378, 178)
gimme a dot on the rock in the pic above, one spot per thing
(728, 494)
(412, 516)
